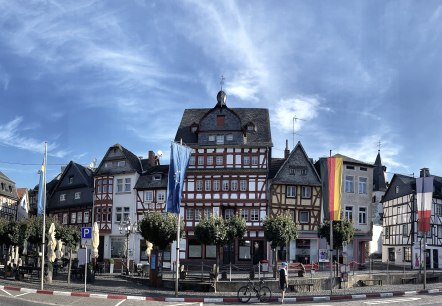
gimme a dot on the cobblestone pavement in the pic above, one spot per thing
(115, 284)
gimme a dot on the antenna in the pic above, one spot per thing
(222, 81)
(294, 119)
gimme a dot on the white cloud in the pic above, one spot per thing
(298, 111)
(10, 135)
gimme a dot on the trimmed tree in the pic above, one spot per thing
(71, 238)
(343, 231)
(160, 230)
(279, 230)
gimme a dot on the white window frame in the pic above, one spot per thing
(77, 195)
(255, 160)
(212, 138)
(243, 185)
(161, 196)
(290, 191)
(192, 160)
(362, 215)
(73, 217)
(199, 185)
(207, 185)
(219, 139)
(209, 160)
(304, 216)
(127, 184)
(189, 213)
(246, 160)
(200, 160)
(119, 185)
(65, 218)
(306, 192)
(349, 184)
(216, 185)
(226, 185)
(121, 163)
(219, 160)
(80, 217)
(229, 137)
(148, 196)
(362, 185)
(86, 217)
(198, 214)
(62, 197)
(234, 185)
(254, 214)
(229, 213)
(348, 212)
(245, 214)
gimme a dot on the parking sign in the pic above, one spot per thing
(86, 233)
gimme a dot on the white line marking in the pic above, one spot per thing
(22, 294)
(120, 302)
(6, 292)
(391, 301)
(62, 293)
(138, 298)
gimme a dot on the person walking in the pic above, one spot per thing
(283, 280)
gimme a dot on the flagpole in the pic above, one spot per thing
(331, 255)
(44, 215)
(178, 244)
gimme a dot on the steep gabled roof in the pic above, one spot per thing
(7, 182)
(131, 158)
(259, 116)
(275, 164)
(86, 175)
(379, 183)
(297, 160)
(407, 185)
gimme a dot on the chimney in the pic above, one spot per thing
(151, 158)
(425, 172)
(286, 151)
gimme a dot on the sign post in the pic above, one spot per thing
(86, 236)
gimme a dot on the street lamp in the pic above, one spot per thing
(127, 228)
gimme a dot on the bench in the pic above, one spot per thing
(368, 282)
(407, 280)
(293, 286)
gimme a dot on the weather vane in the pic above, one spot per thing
(379, 145)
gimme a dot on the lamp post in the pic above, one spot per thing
(127, 228)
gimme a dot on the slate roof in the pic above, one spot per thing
(275, 164)
(379, 183)
(8, 182)
(407, 185)
(353, 161)
(259, 116)
(146, 181)
(298, 159)
(131, 158)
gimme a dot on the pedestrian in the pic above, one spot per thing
(283, 279)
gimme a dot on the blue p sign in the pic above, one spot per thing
(86, 233)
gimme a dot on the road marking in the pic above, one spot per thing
(391, 301)
(22, 294)
(120, 302)
(6, 292)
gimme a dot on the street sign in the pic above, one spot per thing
(86, 233)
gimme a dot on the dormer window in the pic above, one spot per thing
(121, 163)
(229, 137)
(219, 139)
(212, 137)
(250, 127)
(194, 128)
(71, 179)
(397, 189)
(157, 177)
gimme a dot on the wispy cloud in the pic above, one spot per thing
(11, 136)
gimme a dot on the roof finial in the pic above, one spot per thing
(379, 146)
(222, 81)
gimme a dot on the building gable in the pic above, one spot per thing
(119, 160)
(297, 169)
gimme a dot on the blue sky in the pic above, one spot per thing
(84, 75)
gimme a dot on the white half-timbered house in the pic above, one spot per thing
(402, 243)
(227, 174)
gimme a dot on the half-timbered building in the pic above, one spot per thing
(402, 243)
(151, 189)
(115, 201)
(295, 189)
(227, 174)
(8, 198)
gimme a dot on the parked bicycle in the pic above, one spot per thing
(262, 292)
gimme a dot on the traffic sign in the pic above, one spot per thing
(86, 233)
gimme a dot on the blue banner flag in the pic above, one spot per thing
(41, 190)
(179, 160)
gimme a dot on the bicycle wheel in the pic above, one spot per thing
(265, 294)
(244, 294)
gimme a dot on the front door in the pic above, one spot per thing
(229, 253)
(435, 259)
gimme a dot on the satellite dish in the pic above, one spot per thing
(160, 153)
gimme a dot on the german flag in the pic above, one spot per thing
(331, 176)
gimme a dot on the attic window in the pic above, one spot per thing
(397, 189)
(71, 179)
(193, 128)
(350, 167)
(121, 163)
(10, 188)
(250, 127)
(363, 169)
(292, 171)
(220, 120)
(157, 177)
